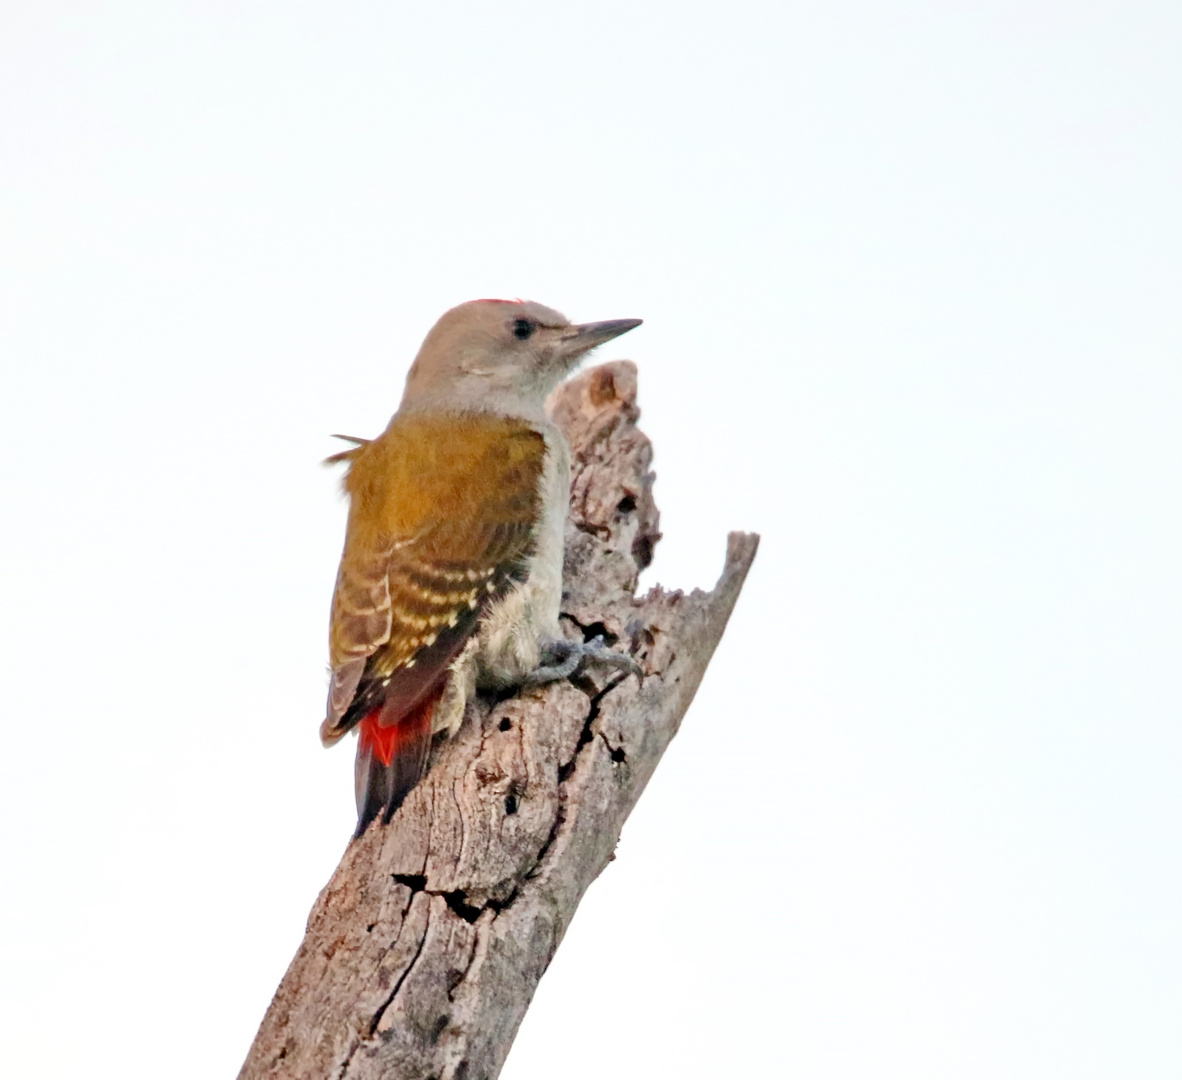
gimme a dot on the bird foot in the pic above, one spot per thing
(561, 659)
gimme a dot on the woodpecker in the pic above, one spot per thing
(451, 574)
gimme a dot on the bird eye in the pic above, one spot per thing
(523, 328)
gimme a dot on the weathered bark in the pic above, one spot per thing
(423, 951)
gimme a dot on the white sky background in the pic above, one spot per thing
(911, 280)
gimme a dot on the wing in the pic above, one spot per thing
(443, 513)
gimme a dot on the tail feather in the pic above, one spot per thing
(391, 759)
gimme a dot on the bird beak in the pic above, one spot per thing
(579, 339)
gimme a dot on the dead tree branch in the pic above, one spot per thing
(424, 950)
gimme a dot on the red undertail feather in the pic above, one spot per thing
(382, 741)
(391, 758)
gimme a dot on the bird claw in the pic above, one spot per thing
(561, 659)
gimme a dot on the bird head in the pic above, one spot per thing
(505, 355)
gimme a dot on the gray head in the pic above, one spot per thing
(501, 355)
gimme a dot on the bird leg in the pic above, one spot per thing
(560, 659)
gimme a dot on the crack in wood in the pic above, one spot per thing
(377, 1017)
